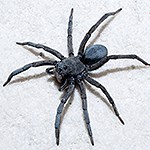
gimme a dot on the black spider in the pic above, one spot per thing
(74, 70)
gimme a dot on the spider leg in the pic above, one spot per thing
(103, 61)
(60, 109)
(132, 56)
(85, 111)
(95, 83)
(69, 37)
(47, 49)
(26, 67)
(64, 85)
(92, 29)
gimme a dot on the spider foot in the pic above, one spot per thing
(19, 43)
(8, 80)
(57, 136)
(118, 10)
(92, 140)
(5, 83)
(31, 44)
(121, 120)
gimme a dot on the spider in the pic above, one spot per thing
(73, 70)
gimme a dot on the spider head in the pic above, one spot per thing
(64, 69)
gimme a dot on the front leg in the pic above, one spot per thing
(26, 67)
(48, 49)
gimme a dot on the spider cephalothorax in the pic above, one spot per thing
(73, 70)
(69, 67)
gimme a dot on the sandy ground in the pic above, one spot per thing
(28, 104)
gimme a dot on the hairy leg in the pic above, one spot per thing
(132, 56)
(95, 83)
(26, 67)
(47, 49)
(69, 37)
(92, 29)
(60, 109)
(85, 111)
(106, 59)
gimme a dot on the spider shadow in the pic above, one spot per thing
(53, 79)
(34, 52)
(115, 70)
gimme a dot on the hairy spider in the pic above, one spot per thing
(74, 70)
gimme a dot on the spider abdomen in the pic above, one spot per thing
(94, 53)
